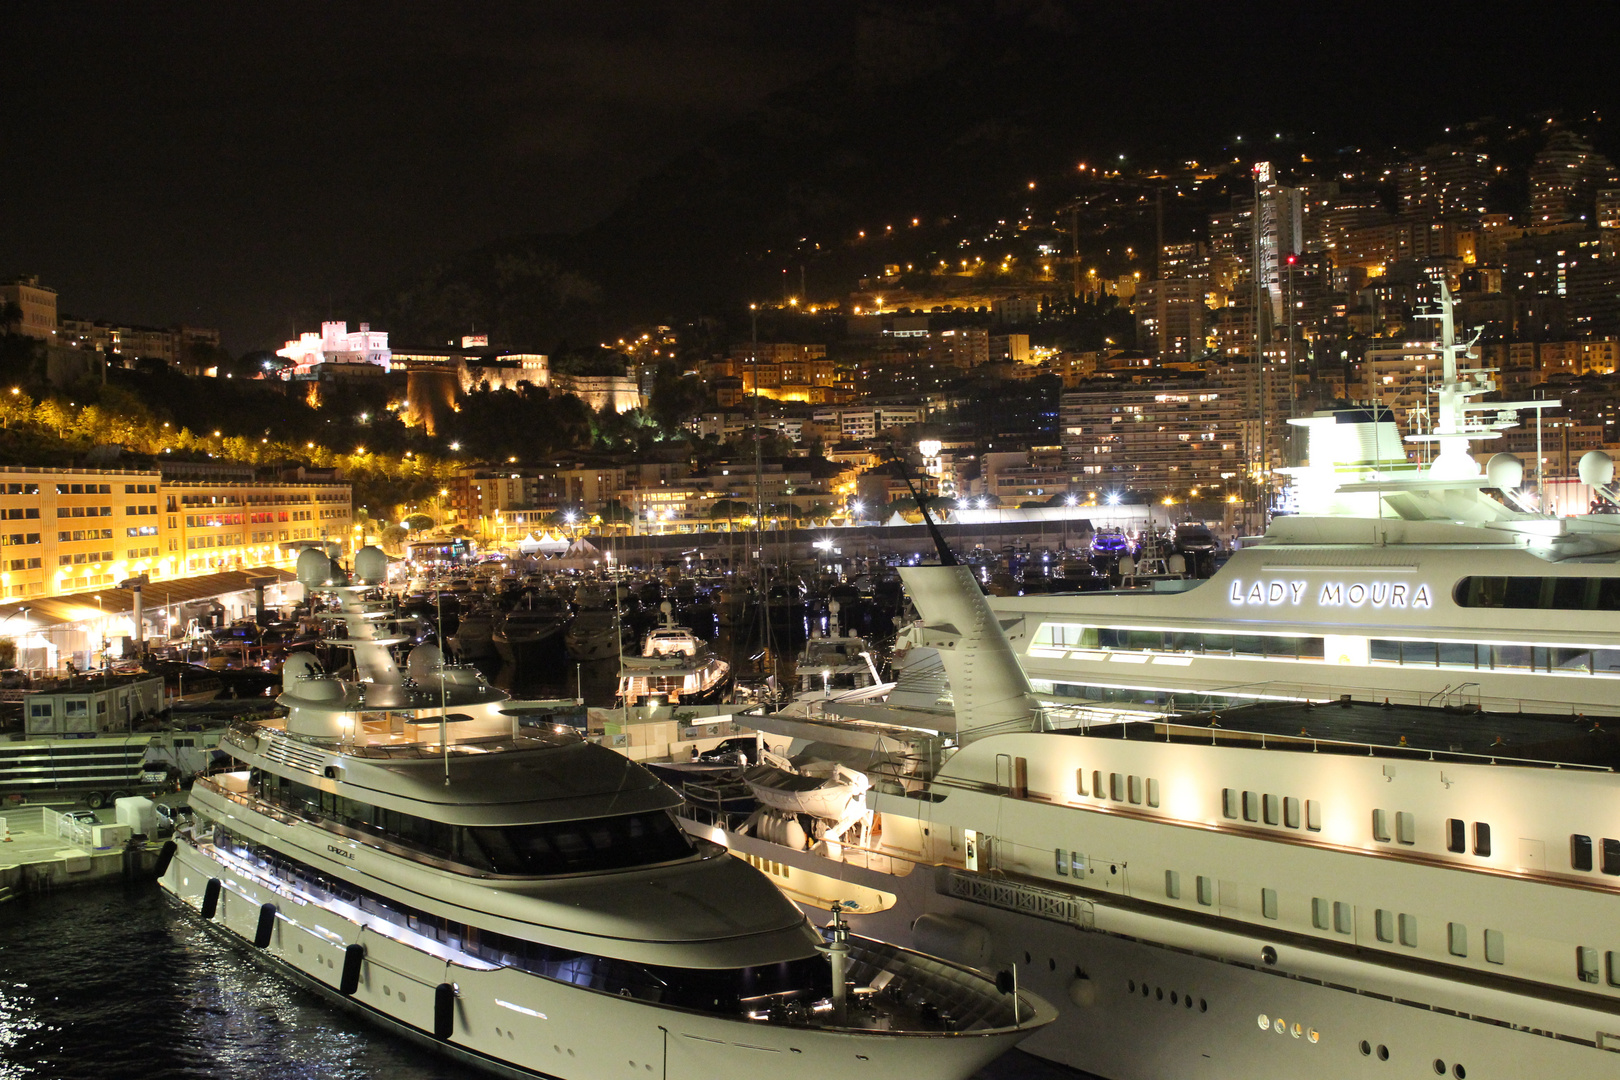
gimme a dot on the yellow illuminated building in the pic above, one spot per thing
(71, 530)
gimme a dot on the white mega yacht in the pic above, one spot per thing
(412, 846)
(1346, 868)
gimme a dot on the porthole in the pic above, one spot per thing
(1173, 999)
(1203, 1006)
(1264, 1022)
(1027, 959)
(1131, 984)
(1459, 1072)
(1279, 1025)
(1144, 989)
(1296, 1031)
(1051, 964)
(1313, 1035)
(1439, 1067)
(1159, 993)
(1187, 1001)
(1383, 1052)
(1366, 1048)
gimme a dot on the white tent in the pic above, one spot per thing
(542, 543)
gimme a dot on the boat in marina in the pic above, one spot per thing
(1347, 808)
(834, 660)
(675, 666)
(416, 847)
(594, 634)
(524, 630)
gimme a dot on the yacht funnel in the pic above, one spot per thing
(988, 686)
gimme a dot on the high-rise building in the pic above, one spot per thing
(1444, 180)
(1279, 230)
(1170, 317)
(1565, 178)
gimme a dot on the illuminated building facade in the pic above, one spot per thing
(72, 530)
(336, 345)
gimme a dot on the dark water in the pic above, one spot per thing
(116, 983)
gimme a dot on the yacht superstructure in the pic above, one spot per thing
(1395, 580)
(419, 848)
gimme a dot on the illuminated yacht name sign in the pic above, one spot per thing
(1378, 594)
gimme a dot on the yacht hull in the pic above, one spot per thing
(1191, 992)
(513, 1024)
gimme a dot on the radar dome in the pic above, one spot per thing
(424, 663)
(314, 568)
(298, 666)
(1597, 469)
(370, 565)
(1504, 471)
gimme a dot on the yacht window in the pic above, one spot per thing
(1319, 913)
(1611, 968)
(1206, 891)
(1459, 654)
(1172, 884)
(1380, 827)
(1344, 917)
(1291, 812)
(1079, 781)
(1152, 792)
(1495, 947)
(1272, 810)
(1062, 858)
(1313, 815)
(1611, 856)
(1405, 828)
(1586, 964)
(1136, 790)
(568, 847)
(1580, 852)
(1384, 925)
(1456, 835)
(1408, 930)
(1482, 839)
(1097, 784)
(1457, 939)
(1563, 593)
(1268, 903)
(1116, 786)
(1229, 802)
(1251, 806)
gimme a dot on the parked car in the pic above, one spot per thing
(172, 817)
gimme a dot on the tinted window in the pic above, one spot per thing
(570, 847)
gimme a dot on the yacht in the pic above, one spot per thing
(523, 632)
(594, 634)
(1337, 866)
(675, 665)
(834, 660)
(422, 850)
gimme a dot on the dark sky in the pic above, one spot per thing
(211, 163)
(241, 165)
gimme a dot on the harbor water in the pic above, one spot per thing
(117, 983)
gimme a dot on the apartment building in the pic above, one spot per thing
(1158, 434)
(72, 530)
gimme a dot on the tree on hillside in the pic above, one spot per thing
(676, 397)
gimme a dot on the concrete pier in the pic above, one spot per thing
(38, 853)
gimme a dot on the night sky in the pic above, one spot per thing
(240, 165)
